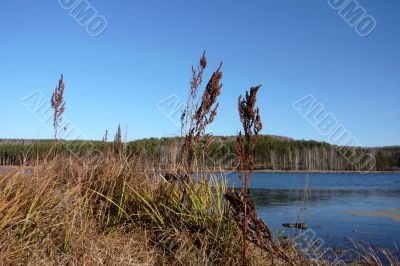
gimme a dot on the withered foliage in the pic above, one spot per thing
(243, 212)
(251, 122)
(254, 229)
(105, 147)
(105, 138)
(200, 111)
(242, 208)
(118, 145)
(58, 105)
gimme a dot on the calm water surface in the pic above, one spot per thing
(364, 207)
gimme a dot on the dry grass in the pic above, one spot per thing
(104, 210)
(108, 210)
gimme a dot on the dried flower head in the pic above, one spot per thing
(118, 145)
(251, 121)
(199, 112)
(58, 104)
(249, 113)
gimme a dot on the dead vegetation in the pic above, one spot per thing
(58, 105)
(199, 112)
(102, 211)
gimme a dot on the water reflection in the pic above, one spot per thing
(283, 197)
(335, 206)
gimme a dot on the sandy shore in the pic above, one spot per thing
(8, 169)
(393, 214)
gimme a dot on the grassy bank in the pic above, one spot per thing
(108, 210)
(105, 210)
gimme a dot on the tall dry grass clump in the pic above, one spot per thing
(107, 209)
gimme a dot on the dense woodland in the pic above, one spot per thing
(271, 153)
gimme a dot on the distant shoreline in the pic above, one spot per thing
(9, 168)
(302, 171)
(326, 172)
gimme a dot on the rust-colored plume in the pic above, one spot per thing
(251, 122)
(58, 105)
(199, 112)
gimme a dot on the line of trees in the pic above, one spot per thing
(273, 153)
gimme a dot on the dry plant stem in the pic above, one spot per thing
(58, 105)
(260, 235)
(118, 145)
(199, 112)
(251, 122)
(105, 138)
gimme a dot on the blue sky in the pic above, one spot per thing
(294, 48)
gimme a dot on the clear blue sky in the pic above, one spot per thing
(294, 48)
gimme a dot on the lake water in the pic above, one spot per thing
(363, 207)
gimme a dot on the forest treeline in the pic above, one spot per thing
(271, 153)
